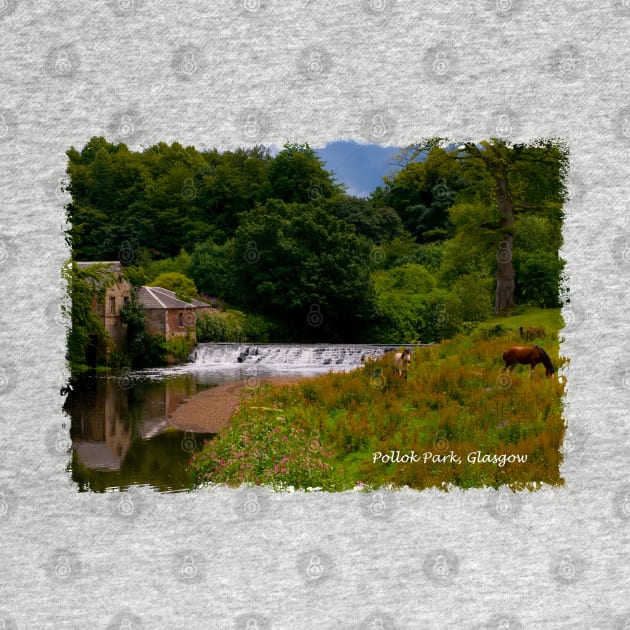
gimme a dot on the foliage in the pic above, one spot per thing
(142, 349)
(136, 276)
(472, 248)
(211, 268)
(263, 446)
(235, 326)
(297, 175)
(537, 265)
(378, 223)
(260, 329)
(132, 314)
(161, 200)
(293, 260)
(538, 279)
(422, 191)
(470, 299)
(323, 432)
(221, 326)
(183, 287)
(279, 239)
(409, 307)
(86, 287)
(155, 351)
(179, 264)
(179, 348)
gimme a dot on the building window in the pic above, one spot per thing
(112, 304)
(126, 300)
(181, 319)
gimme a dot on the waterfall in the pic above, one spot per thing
(286, 354)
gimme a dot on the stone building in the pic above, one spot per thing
(166, 315)
(117, 294)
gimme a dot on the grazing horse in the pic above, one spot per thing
(402, 361)
(527, 354)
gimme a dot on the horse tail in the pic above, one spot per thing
(545, 359)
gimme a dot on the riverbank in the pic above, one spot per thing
(210, 410)
(471, 424)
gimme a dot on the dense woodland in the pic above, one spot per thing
(289, 256)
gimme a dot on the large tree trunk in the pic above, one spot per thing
(504, 296)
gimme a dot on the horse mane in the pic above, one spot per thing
(545, 359)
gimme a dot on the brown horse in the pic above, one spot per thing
(532, 355)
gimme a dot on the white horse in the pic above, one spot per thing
(402, 361)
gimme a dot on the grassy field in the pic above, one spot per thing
(548, 318)
(456, 421)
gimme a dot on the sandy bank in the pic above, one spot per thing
(210, 410)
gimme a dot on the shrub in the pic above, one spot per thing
(538, 277)
(118, 360)
(497, 330)
(472, 297)
(154, 351)
(183, 286)
(178, 348)
(258, 328)
(221, 326)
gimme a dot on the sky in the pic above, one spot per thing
(360, 167)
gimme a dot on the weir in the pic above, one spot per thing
(288, 354)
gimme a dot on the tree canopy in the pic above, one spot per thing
(457, 231)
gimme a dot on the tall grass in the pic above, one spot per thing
(323, 432)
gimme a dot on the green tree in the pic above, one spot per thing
(297, 175)
(142, 349)
(212, 269)
(183, 286)
(301, 265)
(159, 200)
(410, 307)
(221, 326)
(525, 178)
(537, 267)
(176, 264)
(423, 190)
(85, 287)
(378, 223)
(539, 277)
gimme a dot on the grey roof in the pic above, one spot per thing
(157, 297)
(198, 303)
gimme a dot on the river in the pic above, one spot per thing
(120, 430)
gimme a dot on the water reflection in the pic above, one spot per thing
(121, 434)
(120, 431)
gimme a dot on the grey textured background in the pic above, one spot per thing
(226, 74)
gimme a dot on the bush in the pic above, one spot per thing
(179, 264)
(263, 446)
(155, 351)
(118, 360)
(498, 330)
(538, 277)
(471, 298)
(178, 348)
(183, 286)
(221, 326)
(257, 328)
